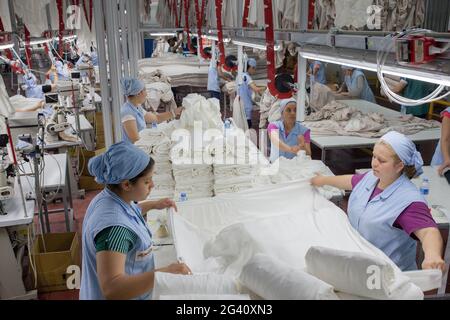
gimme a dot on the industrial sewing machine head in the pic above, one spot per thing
(6, 174)
(56, 125)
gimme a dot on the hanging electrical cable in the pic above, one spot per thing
(387, 45)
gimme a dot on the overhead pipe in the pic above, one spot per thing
(270, 52)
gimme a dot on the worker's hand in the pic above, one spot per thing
(165, 204)
(445, 165)
(177, 268)
(295, 149)
(179, 111)
(434, 263)
(317, 181)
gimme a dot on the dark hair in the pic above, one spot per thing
(134, 180)
(410, 171)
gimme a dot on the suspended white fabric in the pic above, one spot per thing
(33, 15)
(85, 35)
(6, 109)
(4, 14)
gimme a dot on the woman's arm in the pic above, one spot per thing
(432, 245)
(131, 130)
(445, 144)
(275, 140)
(148, 205)
(341, 182)
(256, 89)
(303, 145)
(117, 285)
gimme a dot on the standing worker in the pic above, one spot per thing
(387, 209)
(133, 117)
(441, 158)
(117, 259)
(215, 73)
(245, 90)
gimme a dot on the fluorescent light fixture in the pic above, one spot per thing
(39, 41)
(6, 46)
(215, 38)
(255, 45)
(162, 34)
(416, 74)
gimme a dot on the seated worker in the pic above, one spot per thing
(118, 261)
(387, 209)
(84, 59)
(316, 72)
(246, 87)
(215, 73)
(62, 71)
(356, 85)
(133, 117)
(441, 158)
(51, 77)
(32, 89)
(174, 45)
(288, 136)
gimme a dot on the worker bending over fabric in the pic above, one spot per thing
(441, 158)
(133, 117)
(316, 72)
(356, 85)
(288, 136)
(32, 89)
(215, 73)
(387, 209)
(246, 87)
(118, 261)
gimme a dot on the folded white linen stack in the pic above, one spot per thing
(200, 109)
(195, 180)
(156, 144)
(233, 178)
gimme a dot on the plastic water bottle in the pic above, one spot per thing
(227, 124)
(154, 125)
(425, 189)
(183, 196)
(403, 110)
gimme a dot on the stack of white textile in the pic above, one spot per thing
(156, 144)
(196, 180)
(157, 93)
(199, 109)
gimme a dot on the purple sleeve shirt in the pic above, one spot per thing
(415, 217)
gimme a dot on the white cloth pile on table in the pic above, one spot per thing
(199, 109)
(6, 108)
(160, 93)
(298, 168)
(157, 144)
(196, 180)
(338, 118)
(278, 239)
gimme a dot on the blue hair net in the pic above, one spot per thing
(131, 86)
(405, 149)
(285, 102)
(30, 80)
(251, 62)
(122, 161)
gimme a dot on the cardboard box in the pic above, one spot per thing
(62, 251)
(88, 183)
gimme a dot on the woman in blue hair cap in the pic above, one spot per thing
(387, 209)
(117, 244)
(133, 117)
(356, 85)
(288, 136)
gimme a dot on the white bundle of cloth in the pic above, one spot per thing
(265, 105)
(193, 174)
(232, 185)
(155, 143)
(158, 92)
(300, 169)
(198, 108)
(155, 76)
(6, 107)
(194, 190)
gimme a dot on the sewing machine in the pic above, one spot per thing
(55, 125)
(6, 174)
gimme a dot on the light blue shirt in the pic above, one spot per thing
(290, 140)
(108, 210)
(320, 76)
(33, 90)
(245, 94)
(213, 79)
(375, 219)
(438, 157)
(352, 84)
(137, 113)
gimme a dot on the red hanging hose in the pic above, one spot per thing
(246, 11)
(175, 13)
(27, 47)
(200, 15)
(186, 26)
(220, 33)
(270, 43)
(59, 4)
(180, 13)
